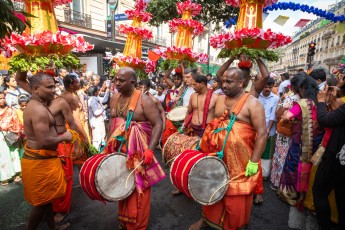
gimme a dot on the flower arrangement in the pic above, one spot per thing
(47, 43)
(194, 8)
(55, 2)
(140, 66)
(142, 32)
(237, 3)
(251, 38)
(190, 24)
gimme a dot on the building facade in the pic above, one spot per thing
(330, 44)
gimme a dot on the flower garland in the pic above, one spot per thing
(135, 63)
(142, 32)
(237, 3)
(181, 53)
(141, 16)
(48, 43)
(194, 8)
(55, 2)
(193, 25)
(252, 38)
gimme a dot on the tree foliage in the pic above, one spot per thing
(9, 22)
(215, 11)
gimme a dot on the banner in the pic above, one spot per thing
(340, 27)
(323, 23)
(302, 22)
(281, 20)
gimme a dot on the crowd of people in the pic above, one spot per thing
(289, 130)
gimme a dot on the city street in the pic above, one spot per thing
(167, 211)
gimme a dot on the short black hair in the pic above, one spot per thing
(178, 75)
(285, 75)
(36, 79)
(160, 85)
(270, 81)
(145, 82)
(209, 75)
(68, 80)
(92, 90)
(318, 74)
(200, 78)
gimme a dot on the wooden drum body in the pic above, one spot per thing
(103, 177)
(201, 177)
(175, 145)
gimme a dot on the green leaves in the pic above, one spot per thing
(9, 22)
(172, 63)
(215, 11)
(25, 63)
(269, 55)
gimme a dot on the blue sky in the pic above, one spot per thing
(295, 16)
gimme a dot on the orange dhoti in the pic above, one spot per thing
(43, 176)
(233, 211)
(63, 204)
(170, 129)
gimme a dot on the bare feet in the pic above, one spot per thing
(63, 227)
(197, 225)
(17, 179)
(176, 192)
(58, 217)
(258, 199)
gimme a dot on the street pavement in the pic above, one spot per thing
(167, 211)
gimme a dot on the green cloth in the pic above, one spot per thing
(269, 149)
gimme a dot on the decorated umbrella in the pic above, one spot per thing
(43, 42)
(186, 29)
(249, 38)
(132, 52)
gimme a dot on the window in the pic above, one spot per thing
(77, 5)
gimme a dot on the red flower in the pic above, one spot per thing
(191, 24)
(20, 16)
(237, 3)
(189, 6)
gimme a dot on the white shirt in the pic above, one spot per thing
(282, 86)
(187, 96)
(270, 105)
(322, 85)
(152, 92)
(160, 98)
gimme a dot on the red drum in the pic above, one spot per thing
(175, 145)
(201, 177)
(105, 177)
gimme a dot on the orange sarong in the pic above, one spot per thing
(43, 176)
(170, 129)
(233, 211)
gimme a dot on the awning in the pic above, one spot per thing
(103, 43)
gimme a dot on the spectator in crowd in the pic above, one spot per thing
(23, 100)
(9, 132)
(84, 101)
(216, 86)
(59, 79)
(13, 91)
(160, 94)
(319, 75)
(209, 80)
(285, 84)
(96, 117)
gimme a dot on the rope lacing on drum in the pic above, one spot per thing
(220, 154)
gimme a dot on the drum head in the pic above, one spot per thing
(111, 176)
(177, 114)
(207, 180)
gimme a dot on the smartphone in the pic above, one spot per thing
(107, 83)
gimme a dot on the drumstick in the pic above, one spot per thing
(209, 201)
(133, 171)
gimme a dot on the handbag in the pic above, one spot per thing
(284, 128)
(11, 138)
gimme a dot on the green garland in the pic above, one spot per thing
(173, 63)
(141, 74)
(23, 63)
(269, 55)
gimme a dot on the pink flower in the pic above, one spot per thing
(194, 8)
(237, 3)
(20, 16)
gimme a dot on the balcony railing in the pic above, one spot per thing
(77, 18)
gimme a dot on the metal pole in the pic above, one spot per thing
(113, 25)
(208, 48)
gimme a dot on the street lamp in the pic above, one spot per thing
(113, 5)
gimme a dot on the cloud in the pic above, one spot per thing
(295, 16)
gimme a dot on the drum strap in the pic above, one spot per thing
(220, 154)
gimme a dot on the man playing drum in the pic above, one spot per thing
(239, 141)
(136, 128)
(201, 107)
(254, 88)
(43, 176)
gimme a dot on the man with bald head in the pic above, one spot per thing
(135, 130)
(43, 175)
(240, 119)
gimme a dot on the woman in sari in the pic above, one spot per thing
(283, 142)
(306, 137)
(9, 156)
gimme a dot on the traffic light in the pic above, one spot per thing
(311, 50)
